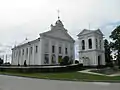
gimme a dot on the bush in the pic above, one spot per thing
(25, 64)
(110, 64)
(76, 62)
(65, 61)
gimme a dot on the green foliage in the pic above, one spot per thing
(76, 62)
(108, 57)
(65, 61)
(115, 36)
(1, 61)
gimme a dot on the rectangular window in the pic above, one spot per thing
(66, 51)
(53, 49)
(26, 51)
(90, 43)
(59, 50)
(36, 50)
(23, 52)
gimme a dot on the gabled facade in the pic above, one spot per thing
(48, 49)
(91, 47)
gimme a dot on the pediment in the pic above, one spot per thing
(59, 34)
(99, 32)
(85, 31)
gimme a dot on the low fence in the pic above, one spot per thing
(48, 69)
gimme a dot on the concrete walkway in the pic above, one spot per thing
(21, 83)
(88, 71)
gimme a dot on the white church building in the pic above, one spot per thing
(48, 49)
(91, 47)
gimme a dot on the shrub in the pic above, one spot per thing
(76, 62)
(65, 61)
(25, 64)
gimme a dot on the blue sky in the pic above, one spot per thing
(27, 18)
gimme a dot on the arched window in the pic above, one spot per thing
(90, 43)
(83, 45)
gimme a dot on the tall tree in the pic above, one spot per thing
(108, 57)
(115, 36)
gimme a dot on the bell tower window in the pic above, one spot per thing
(83, 44)
(90, 43)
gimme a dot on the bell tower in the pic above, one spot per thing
(91, 47)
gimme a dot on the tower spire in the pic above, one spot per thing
(58, 14)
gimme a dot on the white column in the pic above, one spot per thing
(41, 48)
(39, 53)
(86, 43)
(57, 52)
(80, 45)
(102, 44)
(63, 49)
(12, 58)
(73, 53)
(93, 43)
(17, 57)
(21, 56)
(50, 51)
(69, 51)
(33, 53)
(29, 55)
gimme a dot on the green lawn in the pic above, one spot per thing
(66, 76)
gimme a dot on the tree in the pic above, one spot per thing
(108, 57)
(1, 61)
(115, 36)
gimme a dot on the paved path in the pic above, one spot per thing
(21, 83)
(88, 71)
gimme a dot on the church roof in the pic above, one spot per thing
(26, 41)
(57, 31)
(23, 42)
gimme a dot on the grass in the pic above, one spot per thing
(66, 76)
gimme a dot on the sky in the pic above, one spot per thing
(28, 18)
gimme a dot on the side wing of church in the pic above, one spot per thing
(91, 47)
(48, 49)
